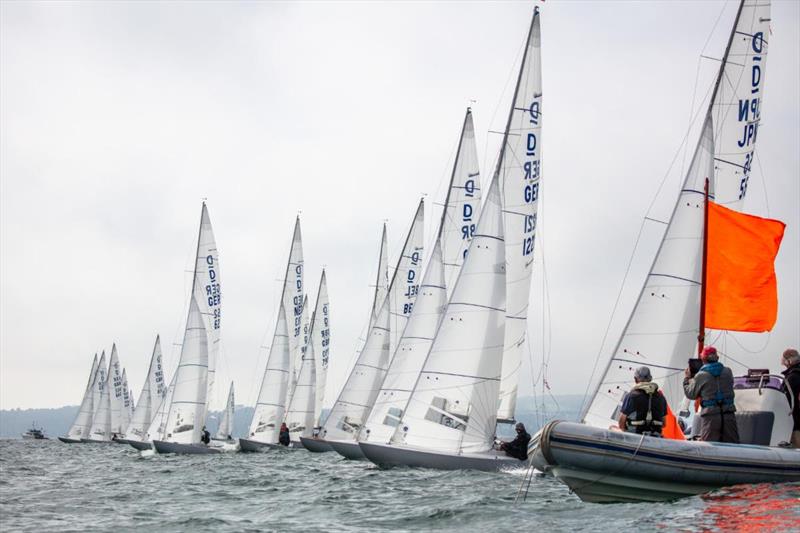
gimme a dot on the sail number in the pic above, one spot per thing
(213, 292)
(750, 111)
(412, 288)
(297, 300)
(532, 167)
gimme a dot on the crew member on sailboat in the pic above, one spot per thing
(791, 385)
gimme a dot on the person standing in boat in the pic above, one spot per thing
(283, 436)
(644, 408)
(518, 448)
(791, 386)
(206, 436)
(713, 386)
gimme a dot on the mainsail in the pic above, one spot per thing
(225, 429)
(300, 412)
(456, 228)
(153, 391)
(292, 298)
(156, 429)
(275, 384)
(662, 330)
(356, 398)
(381, 279)
(127, 401)
(115, 393)
(189, 400)
(321, 344)
(519, 170)
(83, 420)
(453, 406)
(101, 421)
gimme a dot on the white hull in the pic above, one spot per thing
(610, 466)
(387, 456)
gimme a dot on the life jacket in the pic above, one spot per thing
(642, 419)
(720, 399)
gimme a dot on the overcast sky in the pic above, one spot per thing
(117, 119)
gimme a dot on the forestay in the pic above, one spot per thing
(83, 420)
(453, 407)
(153, 391)
(662, 330)
(225, 429)
(456, 228)
(352, 407)
(519, 170)
(188, 407)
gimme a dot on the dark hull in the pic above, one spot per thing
(246, 446)
(68, 440)
(315, 445)
(191, 449)
(387, 456)
(348, 450)
(140, 445)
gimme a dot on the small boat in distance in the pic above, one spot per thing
(34, 433)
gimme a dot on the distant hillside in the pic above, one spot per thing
(532, 411)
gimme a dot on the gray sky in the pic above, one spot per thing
(116, 119)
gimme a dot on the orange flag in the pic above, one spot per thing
(741, 289)
(671, 429)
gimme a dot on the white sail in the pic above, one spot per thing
(381, 279)
(207, 291)
(305, 320)
(97, 384)
(127, 400)
(157, 428)
(277, 380)
(271, 403)
(153, 392)
(83, 420)
(352, 407)
(453, 407)
(462, 205)
(662, 330)
(292, 298)
(405, 281)
(189, 399)
(225, 429)
(115, 393)
(101, 421)
(321, 344)
(737, 101)
(520, 172)
(456, 228)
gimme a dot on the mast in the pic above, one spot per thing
(725, 57)
(701, 332)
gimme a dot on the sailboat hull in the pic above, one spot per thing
(387, 456)
(246, 445)
(140, 445)
(315, 445)
(174, 447)
(94, 441)
(68, 440)
(610, 466)
(348, 450)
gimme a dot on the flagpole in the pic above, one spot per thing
(701, 333)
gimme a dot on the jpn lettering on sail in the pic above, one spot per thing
(737, 102)
(519, 169)
(271, 403)
(453, 407)
(661, 332)
(405, 281)
(187, 411)
(83, 420)
(456, 228)
(207, 291)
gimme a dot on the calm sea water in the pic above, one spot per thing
(53, 486)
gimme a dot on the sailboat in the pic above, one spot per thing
(456, 228)
(470, 372)
(83, 420)
(317, 443)
(225, 429)
(302, 415)
(188, 407)
(125, 406)
(105, 423)
(153, 391)
(350, 411)
(668, 322)
(158, 426)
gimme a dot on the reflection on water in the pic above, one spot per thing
(755, 508)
